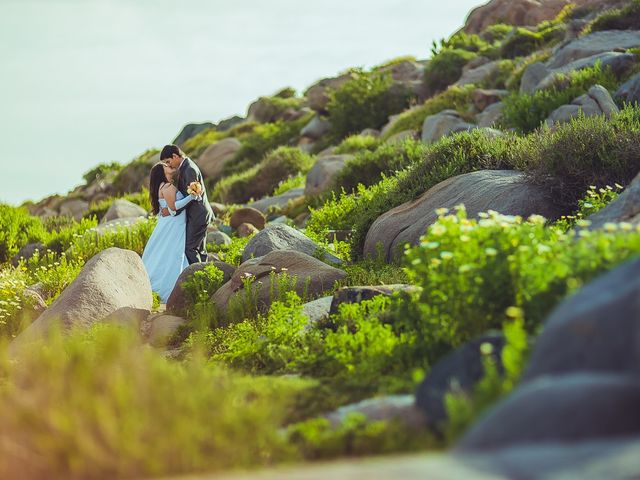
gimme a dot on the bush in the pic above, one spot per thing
(586, 151)
(365, 101)
(17, 229)
(499, 264)
(123, 423)
(261, 140)
(496, 33)
(197, 144)
(515, 78)
(445, 68)
(62, 234)
(101, 171)
(625, 18)
(525, 112)
(264, 178)
(367, 167)
(499, 79)
(13, 301)
(140, 198)
(357, 143)
(454, 98)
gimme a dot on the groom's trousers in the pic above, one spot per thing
(196, 245)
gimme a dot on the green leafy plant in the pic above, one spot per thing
(445, 68)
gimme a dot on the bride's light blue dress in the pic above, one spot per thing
(164, 256)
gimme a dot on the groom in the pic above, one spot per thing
(199, 212)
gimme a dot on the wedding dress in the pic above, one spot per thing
(164, 255)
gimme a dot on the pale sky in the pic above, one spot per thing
(92, 81)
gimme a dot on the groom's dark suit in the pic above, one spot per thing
(199, 213)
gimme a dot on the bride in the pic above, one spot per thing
(164, 255)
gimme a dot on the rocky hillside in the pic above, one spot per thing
(437, 253)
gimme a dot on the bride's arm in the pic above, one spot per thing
(172, 203)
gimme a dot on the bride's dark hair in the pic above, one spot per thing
(156, 178)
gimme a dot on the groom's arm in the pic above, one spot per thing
(189, 175)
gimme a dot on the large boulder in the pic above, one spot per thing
(444, 123)
(277, 202)
(592, 44)
(162, 328)
(323, 172)
(26, 252)
(482, 98)
(625, 208)
(597, 329)
(318, 94)
(247, 215)
(629, 91)
(111, 280)
(190, 130)
(177, 302)
(121, 208)
(216, 156)
(532, 76)
(217, 237)
(74, 207)
(317, 310)
(312, 276)
(277, 236)
(316, 128)
(490, 116)
(560, 409)
(479, 74)
(618, 62)
(597, 101)
(457, 373)
(505, 191)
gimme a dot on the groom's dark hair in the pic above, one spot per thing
(169, 150)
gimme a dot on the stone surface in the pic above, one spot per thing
(246, 230)
(482, 98)
(216, 156)
(177, 301)
(121, 208)
(162, 328)
(458, 372)
(316, 128)
(563, 408)
(277, 201)
(532, 76)
(74, 207)
(490, 116)
(323, 172)
(592, 44)
(311, 275)
(112, 279)
(281, 237)
(219, 238)
(317, 310)
(441, 124)
(247, 215)
(317, 94)
(625, 208)
(596, 329)
(401, 408)
(618, 62)
(478, 75)
(504, 191)
(597, 101)
(359, 294)
(27, 252)
(630, 90)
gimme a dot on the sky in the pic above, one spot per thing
(84, 82)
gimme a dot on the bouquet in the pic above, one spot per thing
(194, 188)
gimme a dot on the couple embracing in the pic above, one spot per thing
(179, 199)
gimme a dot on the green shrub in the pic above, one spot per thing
(197, 144)
(202, 285)
(594, 201)
(296, 181)
(232, 253)
(520, 42)
(625, 18)
(262, 139)
(462, 41)
(496, 33)
(64, 232)
(357, 143)
(17, 229)
(365, 101)
(272, 108)
(367, 167)
(496, 264)
(525, 112)
(445, 68)
(52, 272)
(454, 98)
(128, 179)
(140, 198)
(586, 151)
(123, 423)
(264, 178)
(101, 171)
(499, 79)
(13, 301)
